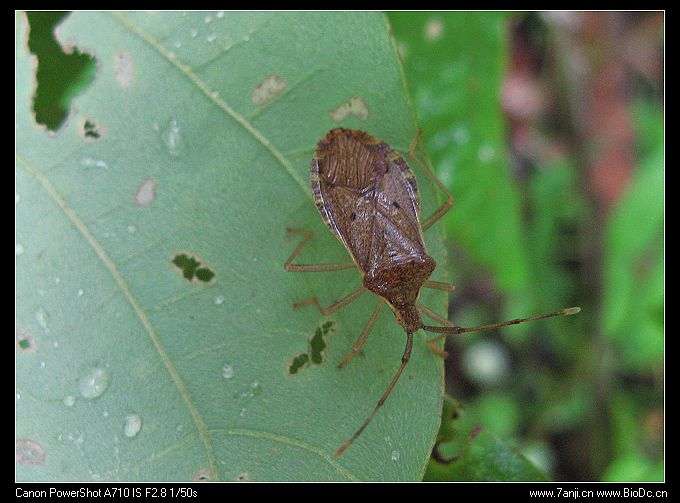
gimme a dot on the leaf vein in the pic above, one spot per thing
(209, 93)
(288, 441)
(141, 314)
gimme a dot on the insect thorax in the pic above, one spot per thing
(399, 283)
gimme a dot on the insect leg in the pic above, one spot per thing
(333, 307)
(310, 267)
(440, 285)
(404, 361)
(441, 211)
(364, 335)
(441, 320)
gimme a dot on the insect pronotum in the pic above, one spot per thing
(367, 195)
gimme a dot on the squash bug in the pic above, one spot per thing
(367, 195)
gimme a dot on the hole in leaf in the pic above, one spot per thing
(60, 76)
(316, 349)
(90, 130)
(192, 267)
(203, 475)
(299, 362)
(25, 342)
(317, 345)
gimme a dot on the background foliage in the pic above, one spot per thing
(548, 129)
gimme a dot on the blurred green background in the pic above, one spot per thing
(548, 130)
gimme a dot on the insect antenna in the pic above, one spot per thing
(404, 361)
(460, 330)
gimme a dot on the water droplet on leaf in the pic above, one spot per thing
(133, 423)
(94, 382)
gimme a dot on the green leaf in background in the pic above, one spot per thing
(155, 329)
(464, 452)
(455, 63)
(633, 302)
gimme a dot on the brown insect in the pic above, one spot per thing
(368, 196)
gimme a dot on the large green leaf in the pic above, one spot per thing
(189, 155)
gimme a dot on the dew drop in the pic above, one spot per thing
(43, 319)
(41, 365)
(131, 229)
(395, 456)
(227, 371)
(171, 138)
(69, 400)
(253, 389)
(193, 32)
(80, 292)
(18, 249)
(94, 382)
(211, 37)
(220, 14)
(207, 19)
(89, 162)
(178, 44)
(133, 423)
(219, 300)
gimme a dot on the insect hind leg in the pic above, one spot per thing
(362, 337)
(333, 307)
(307, 235)
(446, 206)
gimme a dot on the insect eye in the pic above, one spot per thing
(353, 216)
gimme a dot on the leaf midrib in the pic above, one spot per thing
(201, 427)
(122, 284)
(187, 72)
